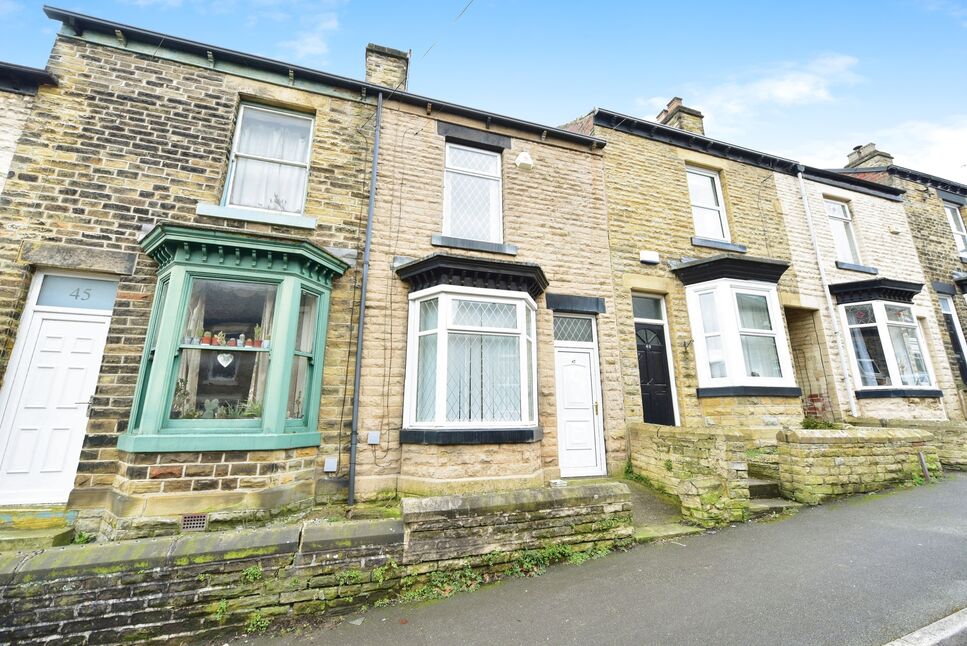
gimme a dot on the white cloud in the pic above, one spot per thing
(731, 106)
(8, 7)
(955, 10)
(935, 147)
(311, 42)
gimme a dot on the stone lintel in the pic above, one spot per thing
(62, 256)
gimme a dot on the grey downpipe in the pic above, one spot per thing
(834, 317)
(354, 436)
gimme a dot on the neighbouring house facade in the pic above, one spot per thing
(490, 356)
(236, 288)
(177, 249)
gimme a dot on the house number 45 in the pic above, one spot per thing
(81, 294)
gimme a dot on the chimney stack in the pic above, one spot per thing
(387, 66)
(868, 157)
(682, 117)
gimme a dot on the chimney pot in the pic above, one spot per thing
(677, 115)
(387, 66)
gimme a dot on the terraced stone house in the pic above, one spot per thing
(738, 278)
(236, 288)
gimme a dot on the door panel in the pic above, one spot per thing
(44, 420)
(653, 374)
(577, 423)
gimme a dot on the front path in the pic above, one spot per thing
(861, 571)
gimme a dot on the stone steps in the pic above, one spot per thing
(767, 506)
(19, 540)
(763, 488)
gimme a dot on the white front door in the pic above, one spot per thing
(579, 415)
(50, 380)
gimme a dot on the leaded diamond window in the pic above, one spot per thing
(471, 194)
(573, 328)
(471, 359)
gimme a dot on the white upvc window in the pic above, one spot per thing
(269, 164)
(956, 220)
(886, 346)
(471, 359)
(738, 334)
(841, 225)
(708, 208)
(472, 194)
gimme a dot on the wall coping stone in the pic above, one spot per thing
(726, 433)
(321, 536)
(853, 436)
(457, 506)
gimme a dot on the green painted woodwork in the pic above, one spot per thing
(185, 254)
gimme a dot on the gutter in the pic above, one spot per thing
(824, 284)
(354, 434)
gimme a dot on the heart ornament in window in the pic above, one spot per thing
(225, 359)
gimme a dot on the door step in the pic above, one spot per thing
(20, 540)
(28, 517)
(766, 506)
(763, 488)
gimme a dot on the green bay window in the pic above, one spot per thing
(233, 357)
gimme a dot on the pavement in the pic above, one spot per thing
(861, 571)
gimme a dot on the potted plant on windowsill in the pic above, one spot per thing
(258, 336)
(196, 340)
(206, 338)
(219, 339)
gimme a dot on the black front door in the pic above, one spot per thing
(656, 389)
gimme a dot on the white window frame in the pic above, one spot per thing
(955, 218)
(446, 294)
(497, 208)
(882, 328)
(723, 215)
(847, 217)
(948, 300)
(726, 290)
(234, 155)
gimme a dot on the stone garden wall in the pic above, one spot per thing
(815, 465)
(192, 587)
(706, 469)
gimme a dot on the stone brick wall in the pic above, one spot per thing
(950, 438)
(818, 464)
(128, 141)
(885, 242)
(649, 209)
(706, 470)
(191, 588)
(14, 109)
(555, 214)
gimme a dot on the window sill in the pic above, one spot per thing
(719, 244)
(169, 443)
(255, 215)
(749, 391)
(440, 240)
(471, 435)
(892, 393)
(963, 257)
(863, 269)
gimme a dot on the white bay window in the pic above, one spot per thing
(738, 333)
(471, 359)
(886, 345)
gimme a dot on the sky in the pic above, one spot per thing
(807, 81)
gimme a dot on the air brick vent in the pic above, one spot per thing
(194, 522)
